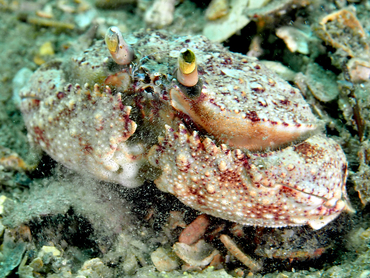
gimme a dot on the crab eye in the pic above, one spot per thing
(187, 73)
(121, 52)
(187, 61)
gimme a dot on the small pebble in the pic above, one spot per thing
(49, 249)
(46, 49)
(164, 260)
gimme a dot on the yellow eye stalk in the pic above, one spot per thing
(121, 52)
(187, 73)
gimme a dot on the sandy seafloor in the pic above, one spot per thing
(97, 229)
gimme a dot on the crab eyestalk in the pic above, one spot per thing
(187, 73)
(121, 52)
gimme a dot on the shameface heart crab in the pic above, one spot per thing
(217, 129)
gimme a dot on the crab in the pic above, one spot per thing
(217, 129)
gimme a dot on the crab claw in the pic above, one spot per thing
(246, 111)
(297, 185)
(121, 52)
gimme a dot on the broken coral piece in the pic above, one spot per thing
(164, 260)
(295, 39)
(321, 83)
(217, 9)
(342, 30)
(160, 14)
(195, 230)
(359, 70)
(49, 249)
(282, 70)
(242, 12)
(255, 48)
(230, 245)
(266, 14)
(223, 28)
(12, 161)
(361, 178)
(362, 183)
(199, 254)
